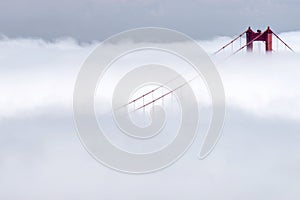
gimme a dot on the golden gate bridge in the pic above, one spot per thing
(251, 37)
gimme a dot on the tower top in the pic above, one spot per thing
(252, 36)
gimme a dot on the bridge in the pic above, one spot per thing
(251, 37)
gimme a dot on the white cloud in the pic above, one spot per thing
(36, 74)
(41, 158)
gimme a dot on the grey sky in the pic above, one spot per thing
(88, 20)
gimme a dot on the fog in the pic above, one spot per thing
(41, 156)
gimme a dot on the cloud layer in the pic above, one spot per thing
(42, 158)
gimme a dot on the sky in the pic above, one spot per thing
(89, 20)
(42, 48)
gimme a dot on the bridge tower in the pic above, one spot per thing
(251, 37)
(265, 36)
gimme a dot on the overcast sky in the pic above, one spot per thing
(88, 20)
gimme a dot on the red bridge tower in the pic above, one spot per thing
(266, 37)
(251, 37)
